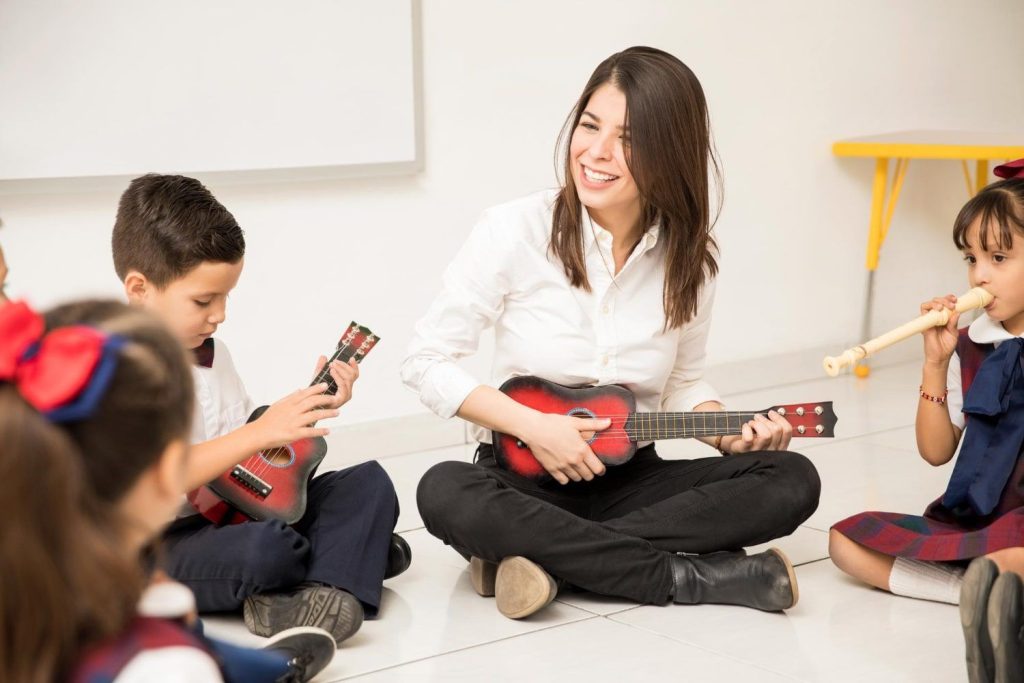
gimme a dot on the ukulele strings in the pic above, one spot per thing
(263, 458)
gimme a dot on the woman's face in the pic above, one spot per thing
(598, 152)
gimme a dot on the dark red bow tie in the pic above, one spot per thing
(204, 353)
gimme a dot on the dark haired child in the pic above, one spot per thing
(95, 402)
(179, 253)
(971, 396)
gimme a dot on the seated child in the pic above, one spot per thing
(972, 387)
(179, 253)
(95, 403)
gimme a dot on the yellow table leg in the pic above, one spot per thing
(980, 175)
(874, 247)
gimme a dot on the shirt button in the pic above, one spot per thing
(604, 360)
(606, 310)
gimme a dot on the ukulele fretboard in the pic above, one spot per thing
(660, 426)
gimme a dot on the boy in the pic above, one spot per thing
(179, 253)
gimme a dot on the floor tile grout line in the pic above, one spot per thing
(703, 648)
(474, 646)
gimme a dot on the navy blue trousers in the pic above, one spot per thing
(341, 541)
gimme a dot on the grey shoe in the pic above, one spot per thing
(336, 611)
(1006, 627)
(308, 649)
(974, 595)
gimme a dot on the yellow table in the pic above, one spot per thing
(963, 146)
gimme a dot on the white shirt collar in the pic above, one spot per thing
(985, 330)
(647, 241)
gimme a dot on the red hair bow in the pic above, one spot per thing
(1011, 169)
(63, 373)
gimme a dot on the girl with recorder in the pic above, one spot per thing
(972, 397)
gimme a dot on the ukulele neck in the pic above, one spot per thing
(660, 426)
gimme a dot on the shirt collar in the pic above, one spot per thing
(647, 241)
(985, 330)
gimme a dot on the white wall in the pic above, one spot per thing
(784, 80)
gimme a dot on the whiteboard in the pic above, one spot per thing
(122, 87)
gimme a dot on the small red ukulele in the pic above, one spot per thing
(271, 484)
(617, 444)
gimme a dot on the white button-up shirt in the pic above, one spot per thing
(505, 277)
(984, 330)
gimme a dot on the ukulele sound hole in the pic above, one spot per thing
(278, 457)
(584, 412)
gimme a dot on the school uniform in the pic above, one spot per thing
(342, 539)
(982, 510)
(611, 535)
(158, 646)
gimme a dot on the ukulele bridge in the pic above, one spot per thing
(251, 482)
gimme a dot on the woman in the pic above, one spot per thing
(609, 280)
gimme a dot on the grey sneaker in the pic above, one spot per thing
(336, 611)
(308, 649)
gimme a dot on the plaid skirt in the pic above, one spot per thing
(924, 538)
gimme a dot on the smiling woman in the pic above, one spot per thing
(607, 280)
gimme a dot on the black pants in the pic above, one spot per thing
(341, 541)
(610, 535)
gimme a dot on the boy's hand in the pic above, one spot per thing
(345, 375)
(291, 418)
(3, 277)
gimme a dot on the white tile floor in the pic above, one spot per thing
(434, 627)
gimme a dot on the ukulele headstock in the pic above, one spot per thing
(356, 342)
(809, 419)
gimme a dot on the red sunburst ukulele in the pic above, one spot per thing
(272, 483)
(617, 444)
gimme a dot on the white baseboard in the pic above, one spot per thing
(377, 439)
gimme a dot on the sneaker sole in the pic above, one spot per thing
(792, 576)
(338, 613)
(974, 595)
(483, 574)
(522, 587)
(1005, 623)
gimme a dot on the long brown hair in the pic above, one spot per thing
(671, 158)
(66, 578)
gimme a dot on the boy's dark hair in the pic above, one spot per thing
(168, 224)
(1001, 209)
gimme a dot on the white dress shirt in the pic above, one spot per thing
(505, 277)
(222, 403)
(984, 330)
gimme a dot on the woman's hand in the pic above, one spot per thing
(940, 341)
(559, 443)
(771, 433)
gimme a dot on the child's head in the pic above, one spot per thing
(179, 253)
(989, 230)
(95, 404)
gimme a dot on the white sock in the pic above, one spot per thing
(938, 581)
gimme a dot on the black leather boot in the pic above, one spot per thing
(764, 581)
